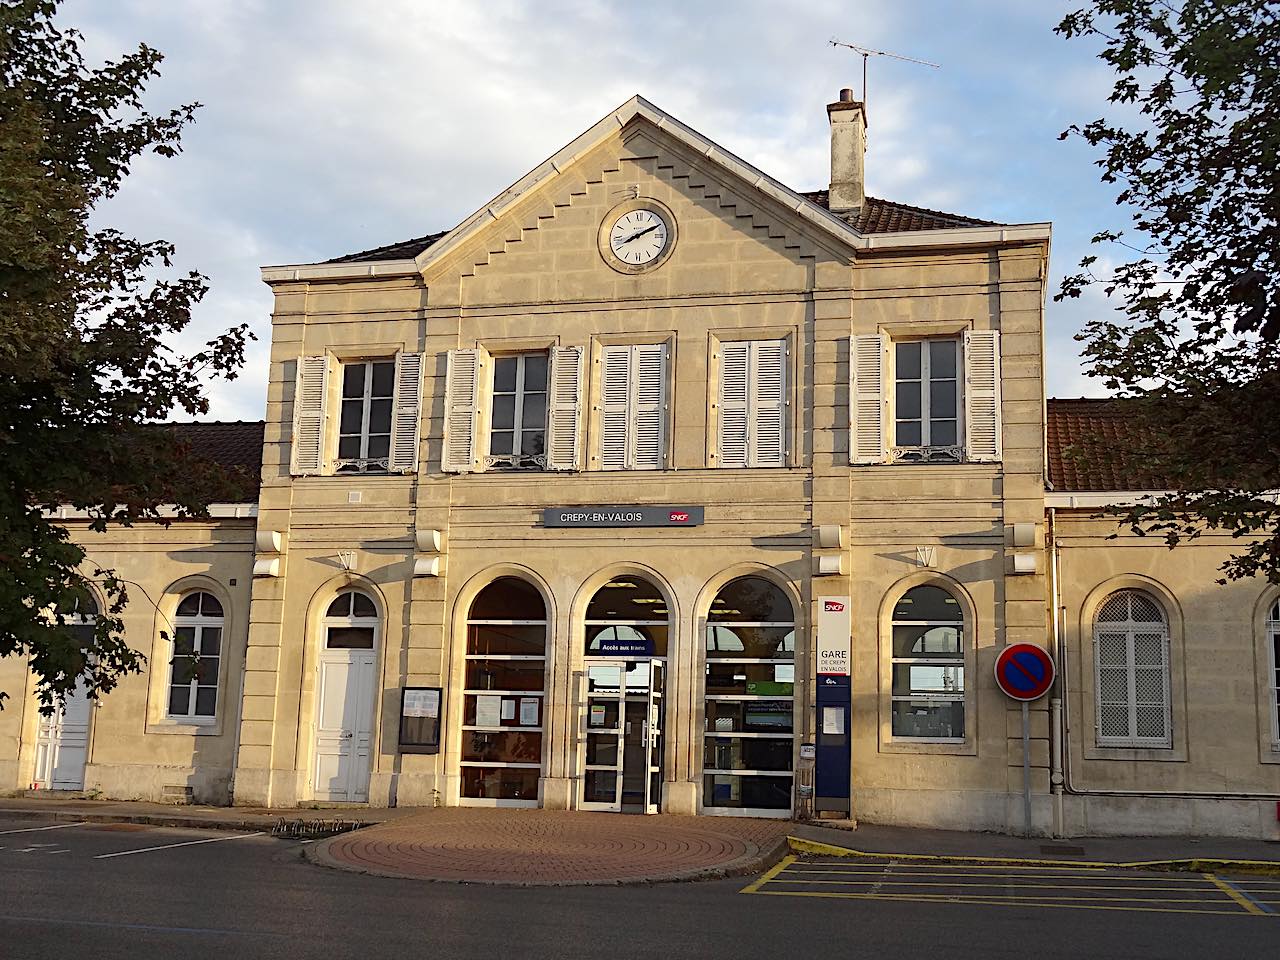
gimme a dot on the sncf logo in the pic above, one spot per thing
(679, 516)
(832, 606)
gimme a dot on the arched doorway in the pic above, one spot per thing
(749, 702)
(345, 698)
(504, 695)
(62, 740)
(628, 625)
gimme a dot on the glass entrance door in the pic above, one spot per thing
(622, 732)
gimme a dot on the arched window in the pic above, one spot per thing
(505, 693)
(1131, 663)
(928, 685)
(627, 618)
(1273, 679)
(351, 622)
(197, 655)
(81, 618)
(750, 697)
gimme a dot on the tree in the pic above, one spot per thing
(1192, 343)
(86, 367)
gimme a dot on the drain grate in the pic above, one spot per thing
(312, 828)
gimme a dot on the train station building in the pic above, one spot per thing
(658, 486)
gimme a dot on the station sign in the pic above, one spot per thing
(1024, 671)
(622, 516)
(835, 627)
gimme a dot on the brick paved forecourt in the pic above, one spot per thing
(551, 847)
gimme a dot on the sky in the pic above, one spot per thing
(330, 126)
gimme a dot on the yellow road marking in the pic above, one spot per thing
(1197, 865)
(1236, 895)
(1063, 875)
(755, 885)
(987, 901)
(975, 886)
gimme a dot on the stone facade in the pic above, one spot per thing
(749, 261)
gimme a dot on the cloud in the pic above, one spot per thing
(331, 126)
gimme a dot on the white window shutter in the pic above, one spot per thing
(735, 377)
(982, 430)
(565, 406)
(615, 394)
(866, 398)
(309, 416)
(649, 406)
(462, 411)
(407, 414)
(768, 403)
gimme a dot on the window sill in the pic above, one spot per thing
(1172, 754)
(926, 747)
(186, 726)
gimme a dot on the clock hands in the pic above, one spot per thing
(639, 234)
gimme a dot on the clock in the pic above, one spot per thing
(637, 236)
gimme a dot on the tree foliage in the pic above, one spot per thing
(87, 366)
(1194, 149)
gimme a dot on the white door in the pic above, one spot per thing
(62, 744)
(344, 726)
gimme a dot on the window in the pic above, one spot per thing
(1273, 663)
(749, 698)
(351, 622)
(753, 404)
(518, 423)
(364, 428)
(926, 400)
(927, 686)
(535, 404)
(1131, 663)
(197, 651)
(504, 696)
(627, 618)
(633, 389)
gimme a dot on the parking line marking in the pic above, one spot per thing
(769, 874)
(1015, 876)
(988, 901)
(1239, 897)
(169, 846)
(976, 886)
(55, 826)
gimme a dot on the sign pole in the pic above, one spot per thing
(1026, 769)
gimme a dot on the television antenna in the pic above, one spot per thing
(867, 53)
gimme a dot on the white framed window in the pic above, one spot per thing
(927, 698)
(518, 412)
(1131, 665)
(633, 388)
(925, 400)
(504, 695)
(535, 410)
(926, 403)
(753, 404)
(364, 422)
(351, 622)
(197, 655)
(1273, 675)
(749, 698)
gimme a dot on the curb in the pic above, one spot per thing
(150, 819)
(753, 862)
(1262, 868)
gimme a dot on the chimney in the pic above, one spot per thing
(848, 150)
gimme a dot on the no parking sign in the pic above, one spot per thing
(1024, 671)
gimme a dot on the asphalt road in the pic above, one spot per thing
(100, 891)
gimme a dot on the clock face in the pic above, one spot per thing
(638, 237)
